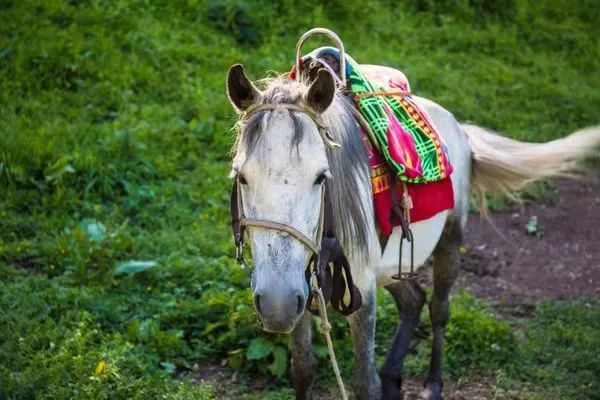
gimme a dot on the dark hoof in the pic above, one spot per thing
(391, 390)
(432, 391)
(303, 394)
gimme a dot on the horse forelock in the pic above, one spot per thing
(278, 90)
(349, 186)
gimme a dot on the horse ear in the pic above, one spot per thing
(321, 92)
(242, 93)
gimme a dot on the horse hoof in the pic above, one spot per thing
(432, 392)
(391, 390)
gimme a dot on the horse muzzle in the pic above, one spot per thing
(279, 308)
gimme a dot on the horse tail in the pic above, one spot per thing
(502, 166)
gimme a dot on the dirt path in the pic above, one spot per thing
(517, 267)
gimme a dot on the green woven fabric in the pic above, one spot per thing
(422, 156)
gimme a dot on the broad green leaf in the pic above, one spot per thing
(132, 267)
(259, 348)
(279, 364)
(94, 230)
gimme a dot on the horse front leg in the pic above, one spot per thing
(303, 360)
(446, 259)
(366, 383)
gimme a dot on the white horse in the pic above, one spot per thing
(281, 163)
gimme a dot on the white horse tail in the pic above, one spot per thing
(502, 166)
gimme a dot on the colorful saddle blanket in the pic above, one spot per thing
(404, 146)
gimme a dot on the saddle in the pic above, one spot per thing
(409, 162)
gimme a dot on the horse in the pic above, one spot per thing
(282, 165)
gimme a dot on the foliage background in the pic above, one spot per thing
(116, 275)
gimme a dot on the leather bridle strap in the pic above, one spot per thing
(327, 139)
(332, 268)
(259, 223)
(239, 222)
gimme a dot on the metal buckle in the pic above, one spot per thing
(239, 250)
(239, 255)
(406, 276)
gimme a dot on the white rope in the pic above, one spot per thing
(325, 329)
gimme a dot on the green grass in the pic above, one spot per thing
(555, 358)
(114, 147)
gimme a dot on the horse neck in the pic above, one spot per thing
(350, 187)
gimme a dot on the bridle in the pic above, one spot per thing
(328, 267)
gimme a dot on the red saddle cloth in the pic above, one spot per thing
(428, 199)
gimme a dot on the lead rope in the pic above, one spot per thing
(325, 325)
(325, 329)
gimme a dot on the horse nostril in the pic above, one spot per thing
(257, 303)
(300, 306)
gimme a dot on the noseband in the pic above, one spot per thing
(244, 222)
(328, 264)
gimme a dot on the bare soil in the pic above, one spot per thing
(504, 263)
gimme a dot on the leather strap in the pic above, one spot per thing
(325, 135)
(335, 275)
(283, 228)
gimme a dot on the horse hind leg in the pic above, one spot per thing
(446, 259)
(410, 298)
(303, 361)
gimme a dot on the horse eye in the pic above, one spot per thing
(242, 179)
(320, 179)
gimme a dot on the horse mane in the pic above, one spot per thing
(349, 185)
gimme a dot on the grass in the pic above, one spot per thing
(114, 155)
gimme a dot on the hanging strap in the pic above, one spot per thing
(401, 211)
(332, 270)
